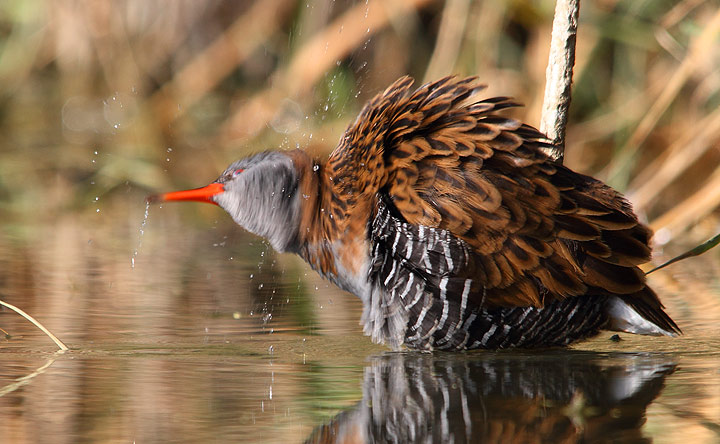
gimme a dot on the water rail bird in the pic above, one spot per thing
(452, 225)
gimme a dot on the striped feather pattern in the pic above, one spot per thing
(418, 267)
(476, 232)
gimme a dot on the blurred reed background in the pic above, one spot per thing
(106, 100)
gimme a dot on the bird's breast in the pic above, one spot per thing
(345, 262)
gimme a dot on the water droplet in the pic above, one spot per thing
(98, 210)
(271, 349)
(251, 275)
(141, 232)
(169, 150)
(261, 286)
(316, 167)
(662, 236)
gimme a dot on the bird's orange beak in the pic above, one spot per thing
(203, 194)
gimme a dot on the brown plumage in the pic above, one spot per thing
(435, 206)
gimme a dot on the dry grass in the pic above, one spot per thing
(130, 79)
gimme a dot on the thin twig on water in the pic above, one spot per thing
(57, 341)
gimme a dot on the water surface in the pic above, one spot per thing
(210, 336)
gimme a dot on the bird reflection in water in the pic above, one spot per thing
(559, 397)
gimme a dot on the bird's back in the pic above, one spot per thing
(477, 238)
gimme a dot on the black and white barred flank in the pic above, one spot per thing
(422, 273)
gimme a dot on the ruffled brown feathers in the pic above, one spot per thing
(537, 231)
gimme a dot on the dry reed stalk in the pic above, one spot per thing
(692, 209)
(112, 47)
(57, 341)
(449, 40)
(604, 125)
(679, 12)
(686, 150)
(698, 49)
(559, 74)
(313, 60)
(220, 58)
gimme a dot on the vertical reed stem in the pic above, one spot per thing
(559, 74)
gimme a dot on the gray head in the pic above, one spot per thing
(260, 192)
(261, 195)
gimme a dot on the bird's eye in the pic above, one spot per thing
(238, 171)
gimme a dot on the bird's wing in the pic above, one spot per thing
(534, 231)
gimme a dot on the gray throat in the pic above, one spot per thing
(264, 199)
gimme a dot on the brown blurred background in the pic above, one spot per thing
(103, 102)
(111, 99)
